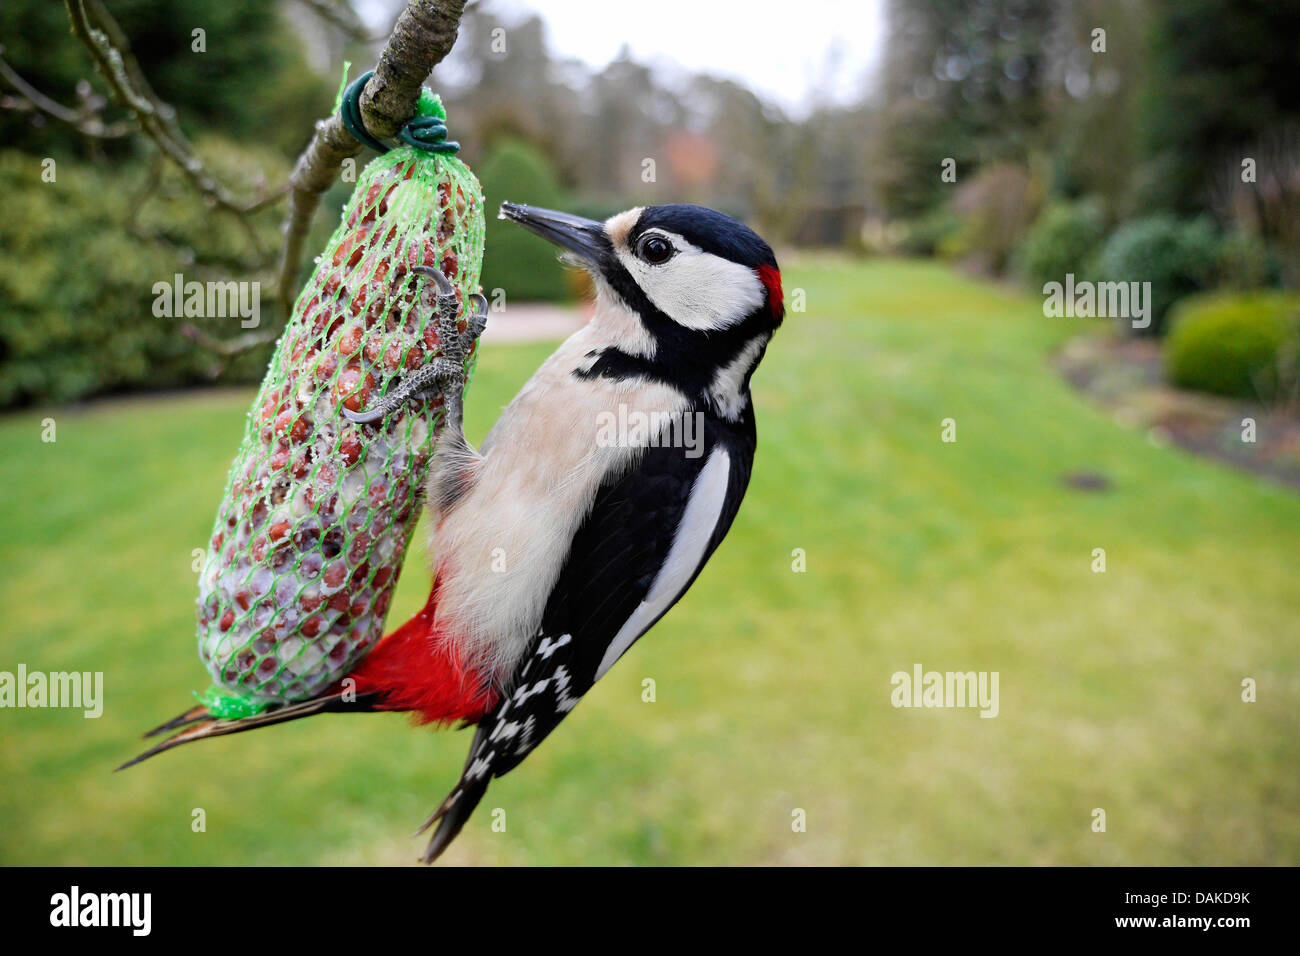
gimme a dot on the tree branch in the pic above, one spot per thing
(108, 47)
(422, 36)
(228, 347)
(101, 18)
(85, 120)
(342, 17)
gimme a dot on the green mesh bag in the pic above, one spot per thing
(318, 511)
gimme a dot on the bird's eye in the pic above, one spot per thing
(656, 250)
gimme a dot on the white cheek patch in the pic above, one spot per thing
(695, 288)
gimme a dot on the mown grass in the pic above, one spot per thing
(1119, 691)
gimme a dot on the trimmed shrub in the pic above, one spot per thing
(1246, 262)
(77, 289)
(925, 235)
(527, 267)
(1176, 256)
(1243, 346)
(996, 208)
(1064, 239)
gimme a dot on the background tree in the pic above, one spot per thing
(516, 261)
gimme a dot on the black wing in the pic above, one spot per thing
(607, 591)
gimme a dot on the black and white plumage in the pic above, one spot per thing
(686, 345)
(646, 539)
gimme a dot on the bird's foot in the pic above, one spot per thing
(445, 375)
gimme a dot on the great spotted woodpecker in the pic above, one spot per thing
(556, 548)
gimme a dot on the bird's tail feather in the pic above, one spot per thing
(198, 724)
(202, 724)
(459, 805)
(190, 716)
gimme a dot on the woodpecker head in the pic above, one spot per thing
(703, 288)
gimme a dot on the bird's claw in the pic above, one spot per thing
(445, 375)
(477, 318)
(366, 417)
(455, 344)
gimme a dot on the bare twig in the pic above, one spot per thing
(101, 18)
(224, 350)
(228, 348)
(422, 36)
(152, 184)
(270, 199)
(101, 35)
(341, 16)
(147, 187)
(85, 120)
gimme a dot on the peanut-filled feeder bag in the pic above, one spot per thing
(318, 511)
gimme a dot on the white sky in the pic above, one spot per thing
(810, 48)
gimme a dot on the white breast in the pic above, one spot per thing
(500, 550)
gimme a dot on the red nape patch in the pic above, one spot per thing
(417, 670)
(771, 279)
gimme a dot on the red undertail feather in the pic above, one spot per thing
(416, 669)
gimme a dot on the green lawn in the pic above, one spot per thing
(1119, 691)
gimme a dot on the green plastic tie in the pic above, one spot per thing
(343, 85)
(227, 706)
(427, 130)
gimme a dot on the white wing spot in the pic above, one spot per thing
(525, 692)
(549, 647)
(527, 738)
(562, 699)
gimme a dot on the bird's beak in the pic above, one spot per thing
(583, 237)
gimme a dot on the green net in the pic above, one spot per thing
(318, 511)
